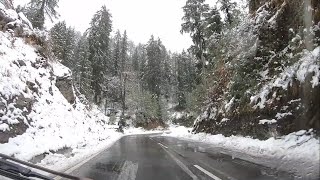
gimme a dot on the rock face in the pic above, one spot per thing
(16, 129)
(23, 102)
(19, 25)
(289, 103)
(15, 115)
(64, 84)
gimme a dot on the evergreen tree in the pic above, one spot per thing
(116, 54)
(124, 49)
(85, 69)
(135, 60)
(143, 66)
(153, 68)
(63, 41)
(99, 51)
(212, 23)
(181, 82)
(228, 8)
(194, 12)
(37, 10)
(165, 72)
(201, 22)
(183, 78)
(58, 34)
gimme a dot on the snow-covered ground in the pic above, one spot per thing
(297, 152)
(134, 131)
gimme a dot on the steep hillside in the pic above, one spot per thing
(40, 115)
(266, 83)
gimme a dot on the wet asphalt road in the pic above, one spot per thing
(154, 157)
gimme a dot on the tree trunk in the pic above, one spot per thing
(124, 94)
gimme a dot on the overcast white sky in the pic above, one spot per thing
(140, 18)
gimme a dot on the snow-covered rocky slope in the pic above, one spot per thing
(41, 119)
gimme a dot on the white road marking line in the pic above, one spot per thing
(129, 171)
(163, 145)
(182, 166)
(207, 172)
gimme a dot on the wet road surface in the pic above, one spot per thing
(154, 157)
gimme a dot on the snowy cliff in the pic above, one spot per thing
(39, 112)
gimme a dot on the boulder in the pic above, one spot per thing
(15, 130)
(3, 108)
(64, 84)
(21, 63)
(33, 87)
(23, 101)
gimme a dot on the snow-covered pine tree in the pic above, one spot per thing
(194, 12)
(99, 51)
(124, 49)
(58, 35)
(212, 23)
(85, 70)
(135, 60)
(152, 71)
(63, 41)
(116, 54)
(37, 10)
(228, 7)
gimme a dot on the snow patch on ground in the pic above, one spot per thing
(177, 115)
(281, 115)
(134, 131)
(297, 152)
(179, 131)
(60, 162)
(264, 121)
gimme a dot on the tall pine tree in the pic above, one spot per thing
(99, 51)
(116, 54)
(124, 49)
(37, 10)
(63, 40)
(85, 68)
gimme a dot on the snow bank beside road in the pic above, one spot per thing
(62, 162)
(135, 131)
(297, 152)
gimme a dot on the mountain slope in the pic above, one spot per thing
(41, 118)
